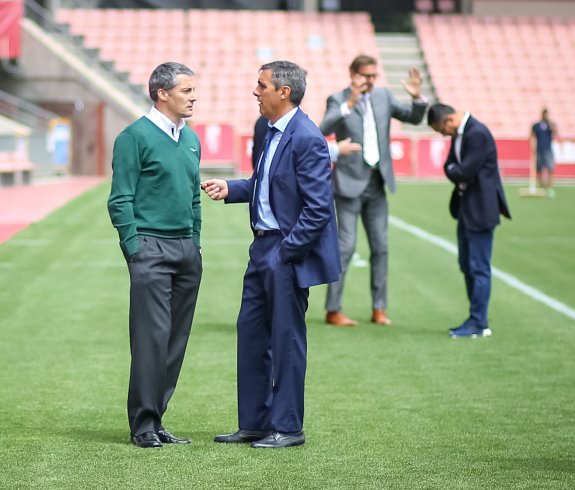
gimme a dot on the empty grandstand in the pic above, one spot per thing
(226, 48)
(91, 65)
(504, 69)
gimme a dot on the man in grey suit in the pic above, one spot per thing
(363, 113)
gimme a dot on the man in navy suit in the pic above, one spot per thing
(476, 203)
(295, 247)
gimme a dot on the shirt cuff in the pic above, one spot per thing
(333, 151)
(344, 109)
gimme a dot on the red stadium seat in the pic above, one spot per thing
(226, 48)
(496, 66)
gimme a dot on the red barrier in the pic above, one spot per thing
(564, 150)
(10, 32)
(401, 154)
(246, 144)
(218, 144)
(431, 155)
(513, 155)
(424, 157)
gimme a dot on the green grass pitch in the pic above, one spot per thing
(395, 407)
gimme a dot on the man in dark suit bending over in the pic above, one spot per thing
(476, 203)
(294, 247)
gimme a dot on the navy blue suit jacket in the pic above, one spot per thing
(301, 200)
(478, 198)
(260, 130)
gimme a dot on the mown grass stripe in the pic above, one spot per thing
(507, 278)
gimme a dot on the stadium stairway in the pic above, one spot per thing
(55, 71)
(398, 53)
(85, 63)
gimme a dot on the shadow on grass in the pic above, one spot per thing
(122, 437)
(539, 464)
(107, 436)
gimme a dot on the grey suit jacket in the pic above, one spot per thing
(351, 174)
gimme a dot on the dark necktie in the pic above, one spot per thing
(260, 174)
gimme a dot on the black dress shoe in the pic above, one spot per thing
(281, 439)
(242, 436)
(168, 438)
(147, 439)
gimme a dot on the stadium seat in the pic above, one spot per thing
(226, 48)
(501, 65)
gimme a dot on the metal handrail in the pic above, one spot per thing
(23, 111)
(45, 19)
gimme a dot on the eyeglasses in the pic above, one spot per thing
(368, 75)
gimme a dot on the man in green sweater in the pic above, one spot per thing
(155, 206)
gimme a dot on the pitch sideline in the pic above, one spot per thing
(508, 279)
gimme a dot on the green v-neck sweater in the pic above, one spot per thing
(155, 185)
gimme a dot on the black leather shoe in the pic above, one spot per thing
(242, 436)
(147, 439)
(281, 439)
(168, 438)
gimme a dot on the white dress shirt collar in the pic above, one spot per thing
(463, 122)
(282, 122)
(459, 136)
(165, 123)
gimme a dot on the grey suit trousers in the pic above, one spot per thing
(165, 278)
(371, 204)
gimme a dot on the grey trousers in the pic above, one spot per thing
(165, 278)
(371, 204)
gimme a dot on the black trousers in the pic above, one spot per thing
(165, 278)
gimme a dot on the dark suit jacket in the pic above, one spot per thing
(478, 197)
(302, 202)
(350, 173)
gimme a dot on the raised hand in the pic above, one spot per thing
(413, 84)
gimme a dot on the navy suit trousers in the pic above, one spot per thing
(475, 262)
(272, 344)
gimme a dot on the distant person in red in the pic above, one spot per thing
(542, 133)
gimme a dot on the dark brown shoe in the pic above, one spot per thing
(380, 317)
(338, 319)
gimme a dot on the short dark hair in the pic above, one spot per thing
(290, 74)
(360, 61)
(438, 112)
(165, 77)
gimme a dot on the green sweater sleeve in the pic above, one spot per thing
(126, 171)
(196, 205)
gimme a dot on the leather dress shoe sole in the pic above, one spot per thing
(279, 439)
(168, 438)
(242, 436)
(147, 440)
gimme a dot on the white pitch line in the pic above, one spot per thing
(508, 279)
